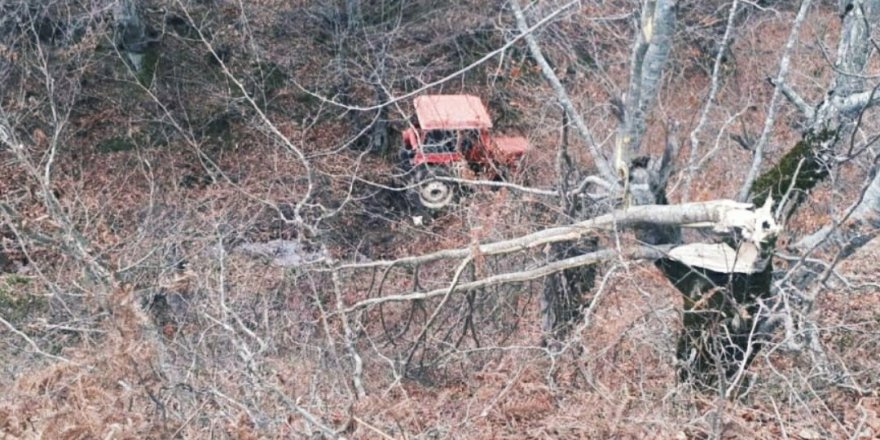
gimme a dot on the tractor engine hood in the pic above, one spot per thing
(510, 148)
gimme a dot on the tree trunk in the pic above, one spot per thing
(133, 38)
(719, 319)
(565, 293)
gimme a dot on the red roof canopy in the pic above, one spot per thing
(451, 112)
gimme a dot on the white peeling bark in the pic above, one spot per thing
(650, 52)
(721, 214)
(854, 48)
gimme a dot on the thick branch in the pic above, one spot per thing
(649, 59)
(854, 48)
(795, 99)
(857, 101)
(708, 214)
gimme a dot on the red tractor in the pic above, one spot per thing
(452, 133)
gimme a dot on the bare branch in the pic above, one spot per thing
(455, 74)
(584, 131)
(796, 99)
(706, 214)
(704, 114)
(36, 348)
(641, 252)
(452, 288)
(774, 100)
(865, 208)
(265, 118)
(358, 373)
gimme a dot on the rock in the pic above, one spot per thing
(283, 253)
(810, 434)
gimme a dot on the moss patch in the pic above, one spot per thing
(147, 70)
(777, 180)
(116, 143)
(16, 302)
(270, 77)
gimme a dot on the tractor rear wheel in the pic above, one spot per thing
(433, 192)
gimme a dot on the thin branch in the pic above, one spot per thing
(866, 205)
(641, 252)
(535, 50)
(263, 117)
(452, 287)
(452, 75)
(36, 348)
(774, 100)
(358, 373)
(791, 186)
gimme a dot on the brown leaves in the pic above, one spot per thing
(8, 53)
(40, 138)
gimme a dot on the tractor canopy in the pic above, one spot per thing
(451, 112)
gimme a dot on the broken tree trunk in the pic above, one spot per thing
(727, 290)
(722, 283)
(719, 315)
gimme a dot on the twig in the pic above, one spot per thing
(769, 121)
(357, 378)
(785, 197)
(36, 348)
(535, 50)
(704, 114)
(455, 279)
(372, 428)
(642, 252)
(452, 75)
